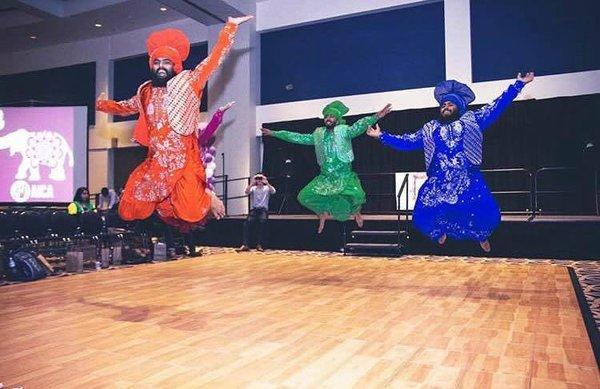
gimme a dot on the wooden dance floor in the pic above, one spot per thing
(280, 320)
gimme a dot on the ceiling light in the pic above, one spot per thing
(163, 9)
(33, 36)
(97, 25)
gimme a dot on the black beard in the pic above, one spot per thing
(330, 126)
(448, 119)
(159, 81)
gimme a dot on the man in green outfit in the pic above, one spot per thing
(337, 191)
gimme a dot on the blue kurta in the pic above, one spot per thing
(455, 199)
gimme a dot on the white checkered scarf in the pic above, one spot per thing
(183, 105)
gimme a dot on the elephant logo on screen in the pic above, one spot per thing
(37, 148)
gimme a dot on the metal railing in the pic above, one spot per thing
(529, 192)
(403, 186)
(532, 192)
(225, 181)
(538, 209)
(391, 195)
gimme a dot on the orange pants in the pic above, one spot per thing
(186, 205)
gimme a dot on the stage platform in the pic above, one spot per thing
(518, 236)
(301, 319)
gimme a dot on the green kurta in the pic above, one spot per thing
(337, 190)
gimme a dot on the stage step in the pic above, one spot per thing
(373, 249)
(360, 233)
(376, 236)
(375, 242)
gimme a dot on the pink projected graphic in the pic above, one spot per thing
(36, 154)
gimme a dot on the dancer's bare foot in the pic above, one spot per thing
(442, 239)
(485, 245)
(243, 249)
(322, 218)
(358, 218)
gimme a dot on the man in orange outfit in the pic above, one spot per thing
(171, 180)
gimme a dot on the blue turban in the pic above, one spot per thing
(455, 92)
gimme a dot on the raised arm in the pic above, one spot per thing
(207, 67)
(214, 124)
(363, 124)
(291, 137)
(120, 108)
(271, 188)
(404, 142)
(210, 128)
(487, 114)
(295, 137)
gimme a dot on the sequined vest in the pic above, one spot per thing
(472, 139)
(341, 142)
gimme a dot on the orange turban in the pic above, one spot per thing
(170, 43)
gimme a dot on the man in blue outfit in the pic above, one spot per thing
(455, 201)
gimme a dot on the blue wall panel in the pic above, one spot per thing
(391, 50)
(547, 36)
(68, 85)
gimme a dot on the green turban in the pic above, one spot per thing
(336, 109)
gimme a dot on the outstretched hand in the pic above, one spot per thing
(527, 78)
(384, 111)
(226, 106)
(375, 131)
(239, 20)
(266, 131)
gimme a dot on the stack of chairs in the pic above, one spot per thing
(45, 230)
(51, 232)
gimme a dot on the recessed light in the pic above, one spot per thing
(163, 9)
(33, 36)
(97, 25)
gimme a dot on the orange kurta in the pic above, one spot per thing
(171, 180)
